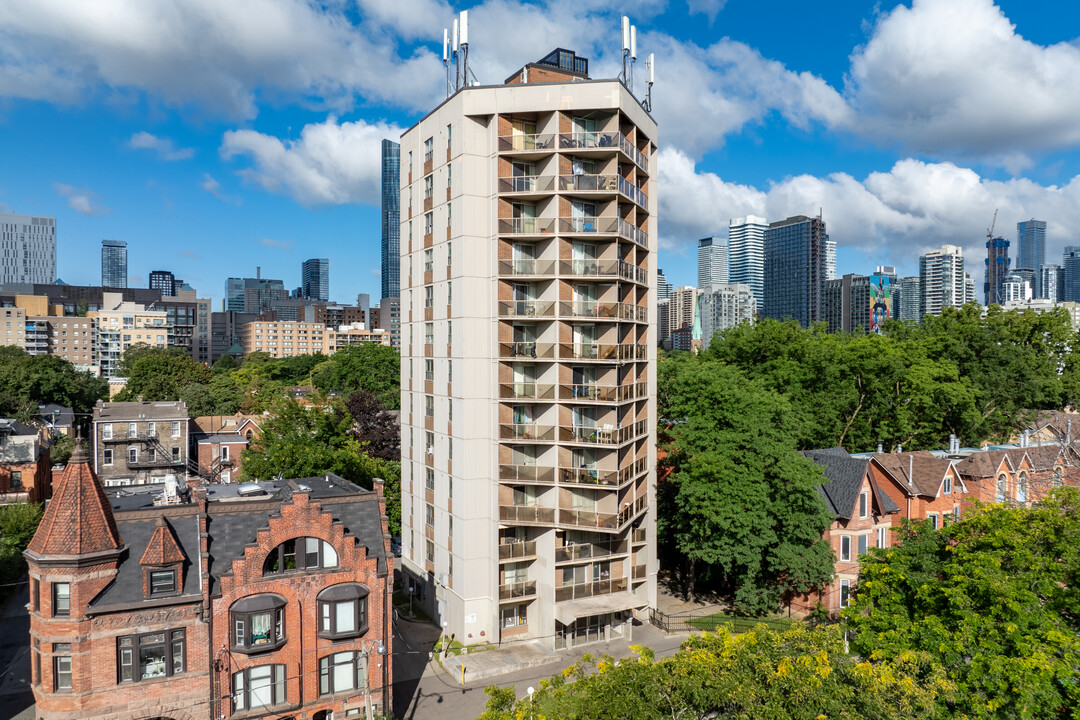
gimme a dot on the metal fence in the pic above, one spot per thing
(713, 618)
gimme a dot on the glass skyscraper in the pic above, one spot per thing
(391, 219)
(746, 253)
(799, 258)
(712, 259)
(114, 263)
(1031, 249)
(315, 279)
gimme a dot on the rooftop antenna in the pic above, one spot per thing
(464, 41)
(633, 56)
(446, 57)
(625, 46)
(454, 55)
(650, 78)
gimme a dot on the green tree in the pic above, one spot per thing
(366, 366)
(740, 511)
(18, 522)
(27, 381)
(159, 373)
(225, 364)
(993, 599)
(801, 674)
(62, 447)
(298, 441)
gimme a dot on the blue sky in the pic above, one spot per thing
(217, 136)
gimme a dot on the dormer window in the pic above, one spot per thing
(947, 489)
(161, 582)
(303, 553)
(258, 623)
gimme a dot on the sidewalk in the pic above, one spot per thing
(16, 697)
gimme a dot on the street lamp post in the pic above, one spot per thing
(369, 646)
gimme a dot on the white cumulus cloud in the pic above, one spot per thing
(331, 163)
(164, 147)
(81, 200)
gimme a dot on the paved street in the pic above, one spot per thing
(16, 698)
(422, 689)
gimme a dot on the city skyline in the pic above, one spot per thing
(271, 151)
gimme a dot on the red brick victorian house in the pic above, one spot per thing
(224, 601)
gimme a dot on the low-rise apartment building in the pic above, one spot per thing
(136, 443)
(347, 335)
(125, 325)
(282, 339)
(242, 601)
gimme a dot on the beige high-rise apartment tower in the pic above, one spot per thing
(528, 404)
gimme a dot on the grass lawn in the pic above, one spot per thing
(456, 648)
(738, 624)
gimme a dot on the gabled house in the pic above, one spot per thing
(25, 467)
(863, 515)
(922, 485)
(218, 442)
(218, 601)
(1020, 476)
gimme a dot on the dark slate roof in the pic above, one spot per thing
(14, 427)
(218, 438)
(844, 475)
(57, 415)
(132, 411)
(127, 586)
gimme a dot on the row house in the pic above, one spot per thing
(1020, 476)
(863, 517)
(136, 443)
(923, 485)
(215, 601)
(25, 467)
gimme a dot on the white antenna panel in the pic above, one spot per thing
(464, 27)
(445, 44)
(650, 68)
(625, 33)
(455, 34)
(633, 42)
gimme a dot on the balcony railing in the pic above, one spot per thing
(527, 474)
(596, 351)
(588, 267)
(527, 267)
(517, 550)
(588, 519)
(632, 233)
(527, 184)
(526, 514)
(528, 226)
(603, 310)
(515, 590)
(589, 224)
(527, 143)
(527, 431)
(603, 140)
(604, 393)
(632, 191)
(585, 183)
(586, 551)
(527, 308)
(527, 350)
(590, 589)
(526, 390)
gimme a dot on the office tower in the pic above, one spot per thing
(798, 254)
(907, 299)
(114, 264)
(1051, 283)
(712, 261)
(663, 287)
(1031, 248)
(857, 303)
(681, 307)
(1070, 263)
(886, 271)
(941, 280)
(391, 219)
(164, 282)
(663, 321)
(27, 249)
(315, 279)
(254, 295)
(726, 306)
(528, 364)
(746, 253)
(998, 265)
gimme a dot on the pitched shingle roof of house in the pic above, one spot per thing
(163, 548)
(78, 520)
(982, 464)
(845, 475)
(920, 472)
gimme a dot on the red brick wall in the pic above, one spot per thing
(302, 651)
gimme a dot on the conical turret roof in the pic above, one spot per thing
(78, 520)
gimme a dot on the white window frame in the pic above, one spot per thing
(845, 548)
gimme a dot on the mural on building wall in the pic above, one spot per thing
(880, 302)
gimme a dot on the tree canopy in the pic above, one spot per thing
(994, 600)
(366, 366)
(299, 441)
(159, 373)
(800, 674)
(740, 511)
(27, 381)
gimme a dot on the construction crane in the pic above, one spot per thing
(990, 230)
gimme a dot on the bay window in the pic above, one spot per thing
(343, 611)
(258, 623)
